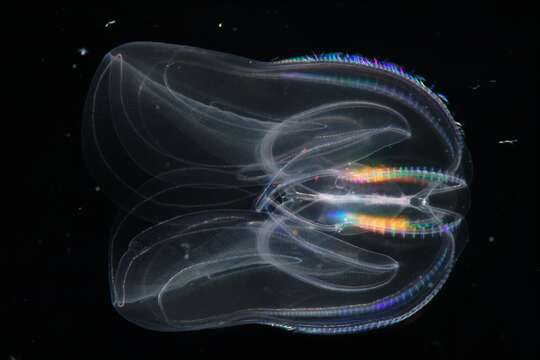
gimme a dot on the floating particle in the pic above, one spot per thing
(97, 188)
(82, 51)
(74, 66)
(187, 247)
(220, 25)
(491, 239)
(512, 141)
(109, 23)
(475, 87)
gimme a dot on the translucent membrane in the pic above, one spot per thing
(321, 194)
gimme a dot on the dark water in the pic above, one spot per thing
(483, 59)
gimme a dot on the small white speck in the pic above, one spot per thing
(79, 208)
(475, 87)
(493, 81)
(491, 239)
(82, 51)
(512, 141)
(68, 135)
(220, 25)
(109, 23)
(186, 246)
(97, 188)
(235, 29)
(74, 66)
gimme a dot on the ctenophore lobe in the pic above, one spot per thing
(322, 194)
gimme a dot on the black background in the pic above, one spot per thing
(482, 58)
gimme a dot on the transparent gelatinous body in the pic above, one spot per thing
(321, 194)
